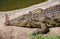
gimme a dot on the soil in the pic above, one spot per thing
(14, 32)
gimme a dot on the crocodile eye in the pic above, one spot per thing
(21, 19)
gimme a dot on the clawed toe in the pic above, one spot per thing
(40, 32)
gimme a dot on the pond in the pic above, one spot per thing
(6, 5)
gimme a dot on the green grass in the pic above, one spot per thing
(44, 37)
(6, 5)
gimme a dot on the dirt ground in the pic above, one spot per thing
(13, 32)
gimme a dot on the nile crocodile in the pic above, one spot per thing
(43, 20)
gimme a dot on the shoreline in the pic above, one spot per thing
(42, 5)
(15, 13)
(24, 7)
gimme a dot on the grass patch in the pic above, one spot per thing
(44, 37)
(6, 5)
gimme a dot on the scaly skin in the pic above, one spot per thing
(42, 20)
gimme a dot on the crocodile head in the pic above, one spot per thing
(19, 21)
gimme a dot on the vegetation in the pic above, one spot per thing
(44, 37)
(6, 5)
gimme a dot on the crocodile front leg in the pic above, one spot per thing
(41, 30)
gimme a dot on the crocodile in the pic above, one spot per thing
(43, 20)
